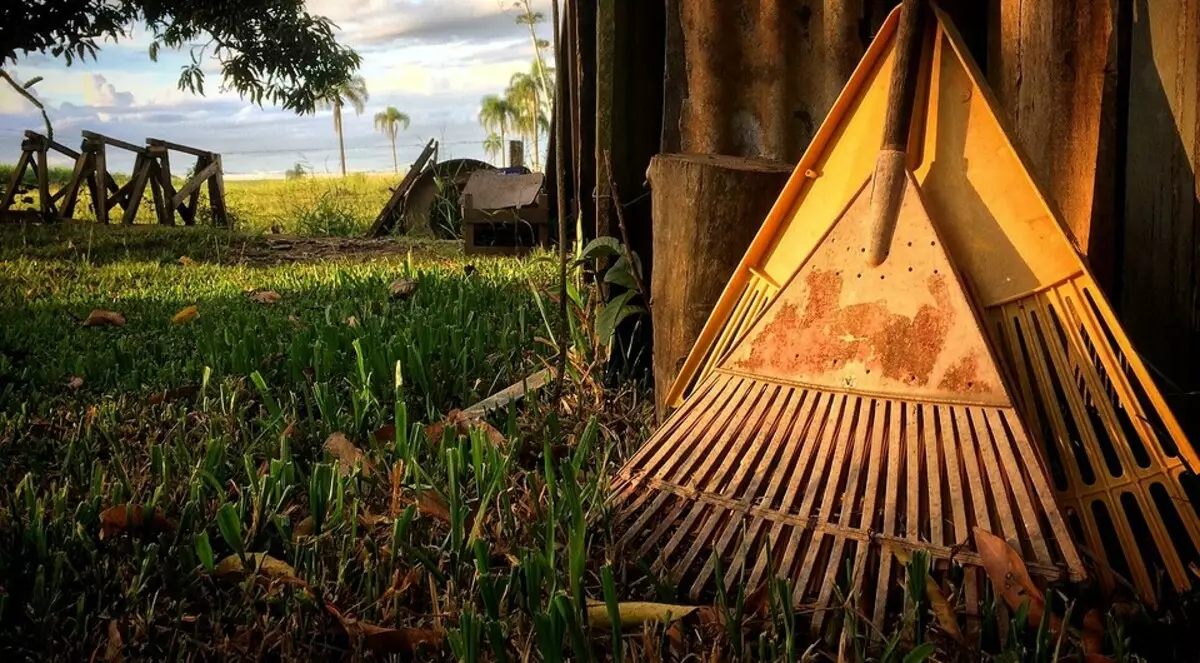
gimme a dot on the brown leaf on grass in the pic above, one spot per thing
(304, 528)
(383, 640)
(404, 288)
(114, 651)
(262, 563)
(348, 456)
(432, 504)
(99, 317)
(125, 518)
(1091, 639)
(176, 394)
(462, 424)
(386, 434)
(186, 261)
(636, 613)
(75, 383)
(268, 297)
(352, 322)
(1010, 577)
(185, 315)
(947, 618)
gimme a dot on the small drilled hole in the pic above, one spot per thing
(910, 243)
(868, 371)
(935, 271)
(881, 277)
(933, 243)
(860, 276)
(910, 269)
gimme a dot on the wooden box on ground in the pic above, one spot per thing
(504, 214)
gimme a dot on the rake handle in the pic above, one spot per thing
(887, 188)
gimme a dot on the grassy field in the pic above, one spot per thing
(331, 206)
(278, 473)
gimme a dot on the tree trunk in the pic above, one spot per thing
(337, 124)
(707, 209)
(395, 163)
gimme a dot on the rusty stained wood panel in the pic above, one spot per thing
(1160, 235)
(1047, 62)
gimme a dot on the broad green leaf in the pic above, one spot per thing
(920, 653)
(613, 313)
(601, 247)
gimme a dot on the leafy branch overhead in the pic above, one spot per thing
(269, 51)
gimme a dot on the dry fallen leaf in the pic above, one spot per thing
(266, 565)
(1091, 639)
(383, 640)
(125, 518)
(942, 610)
(636, 613)
(178, 393)
(403, 288)
(99, 317)
(1010, 577)
(348, 455)
(186, 261)
(352, 322)
(265, 297)
(462, 424)
(75, 383)
(114, 651)
(186, 315)
(304, 528)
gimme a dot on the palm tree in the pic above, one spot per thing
(495, 114)
(522, 96)
(493, 145)
(388, 121)
(352, 92)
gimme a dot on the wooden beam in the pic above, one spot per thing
(91, 135)
(83, 165)
(52, 144)
(156, 142)
(193, 185)
(14, 181)
(137, 188)
(386, 220)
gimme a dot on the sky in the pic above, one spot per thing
(432, 59)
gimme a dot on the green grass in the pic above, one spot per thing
(257, 541)
(306, 206)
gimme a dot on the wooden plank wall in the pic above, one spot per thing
(1158, 233)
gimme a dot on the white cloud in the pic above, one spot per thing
(103, 93)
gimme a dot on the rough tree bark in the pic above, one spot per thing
(707, 209)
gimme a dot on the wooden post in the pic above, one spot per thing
(100, 190)
(45, 205)
(516, 154)
(216, 194)
(10, 193)
(707, 209)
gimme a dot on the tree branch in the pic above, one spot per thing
(32, 99)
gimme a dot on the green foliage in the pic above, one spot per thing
(269, 51)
